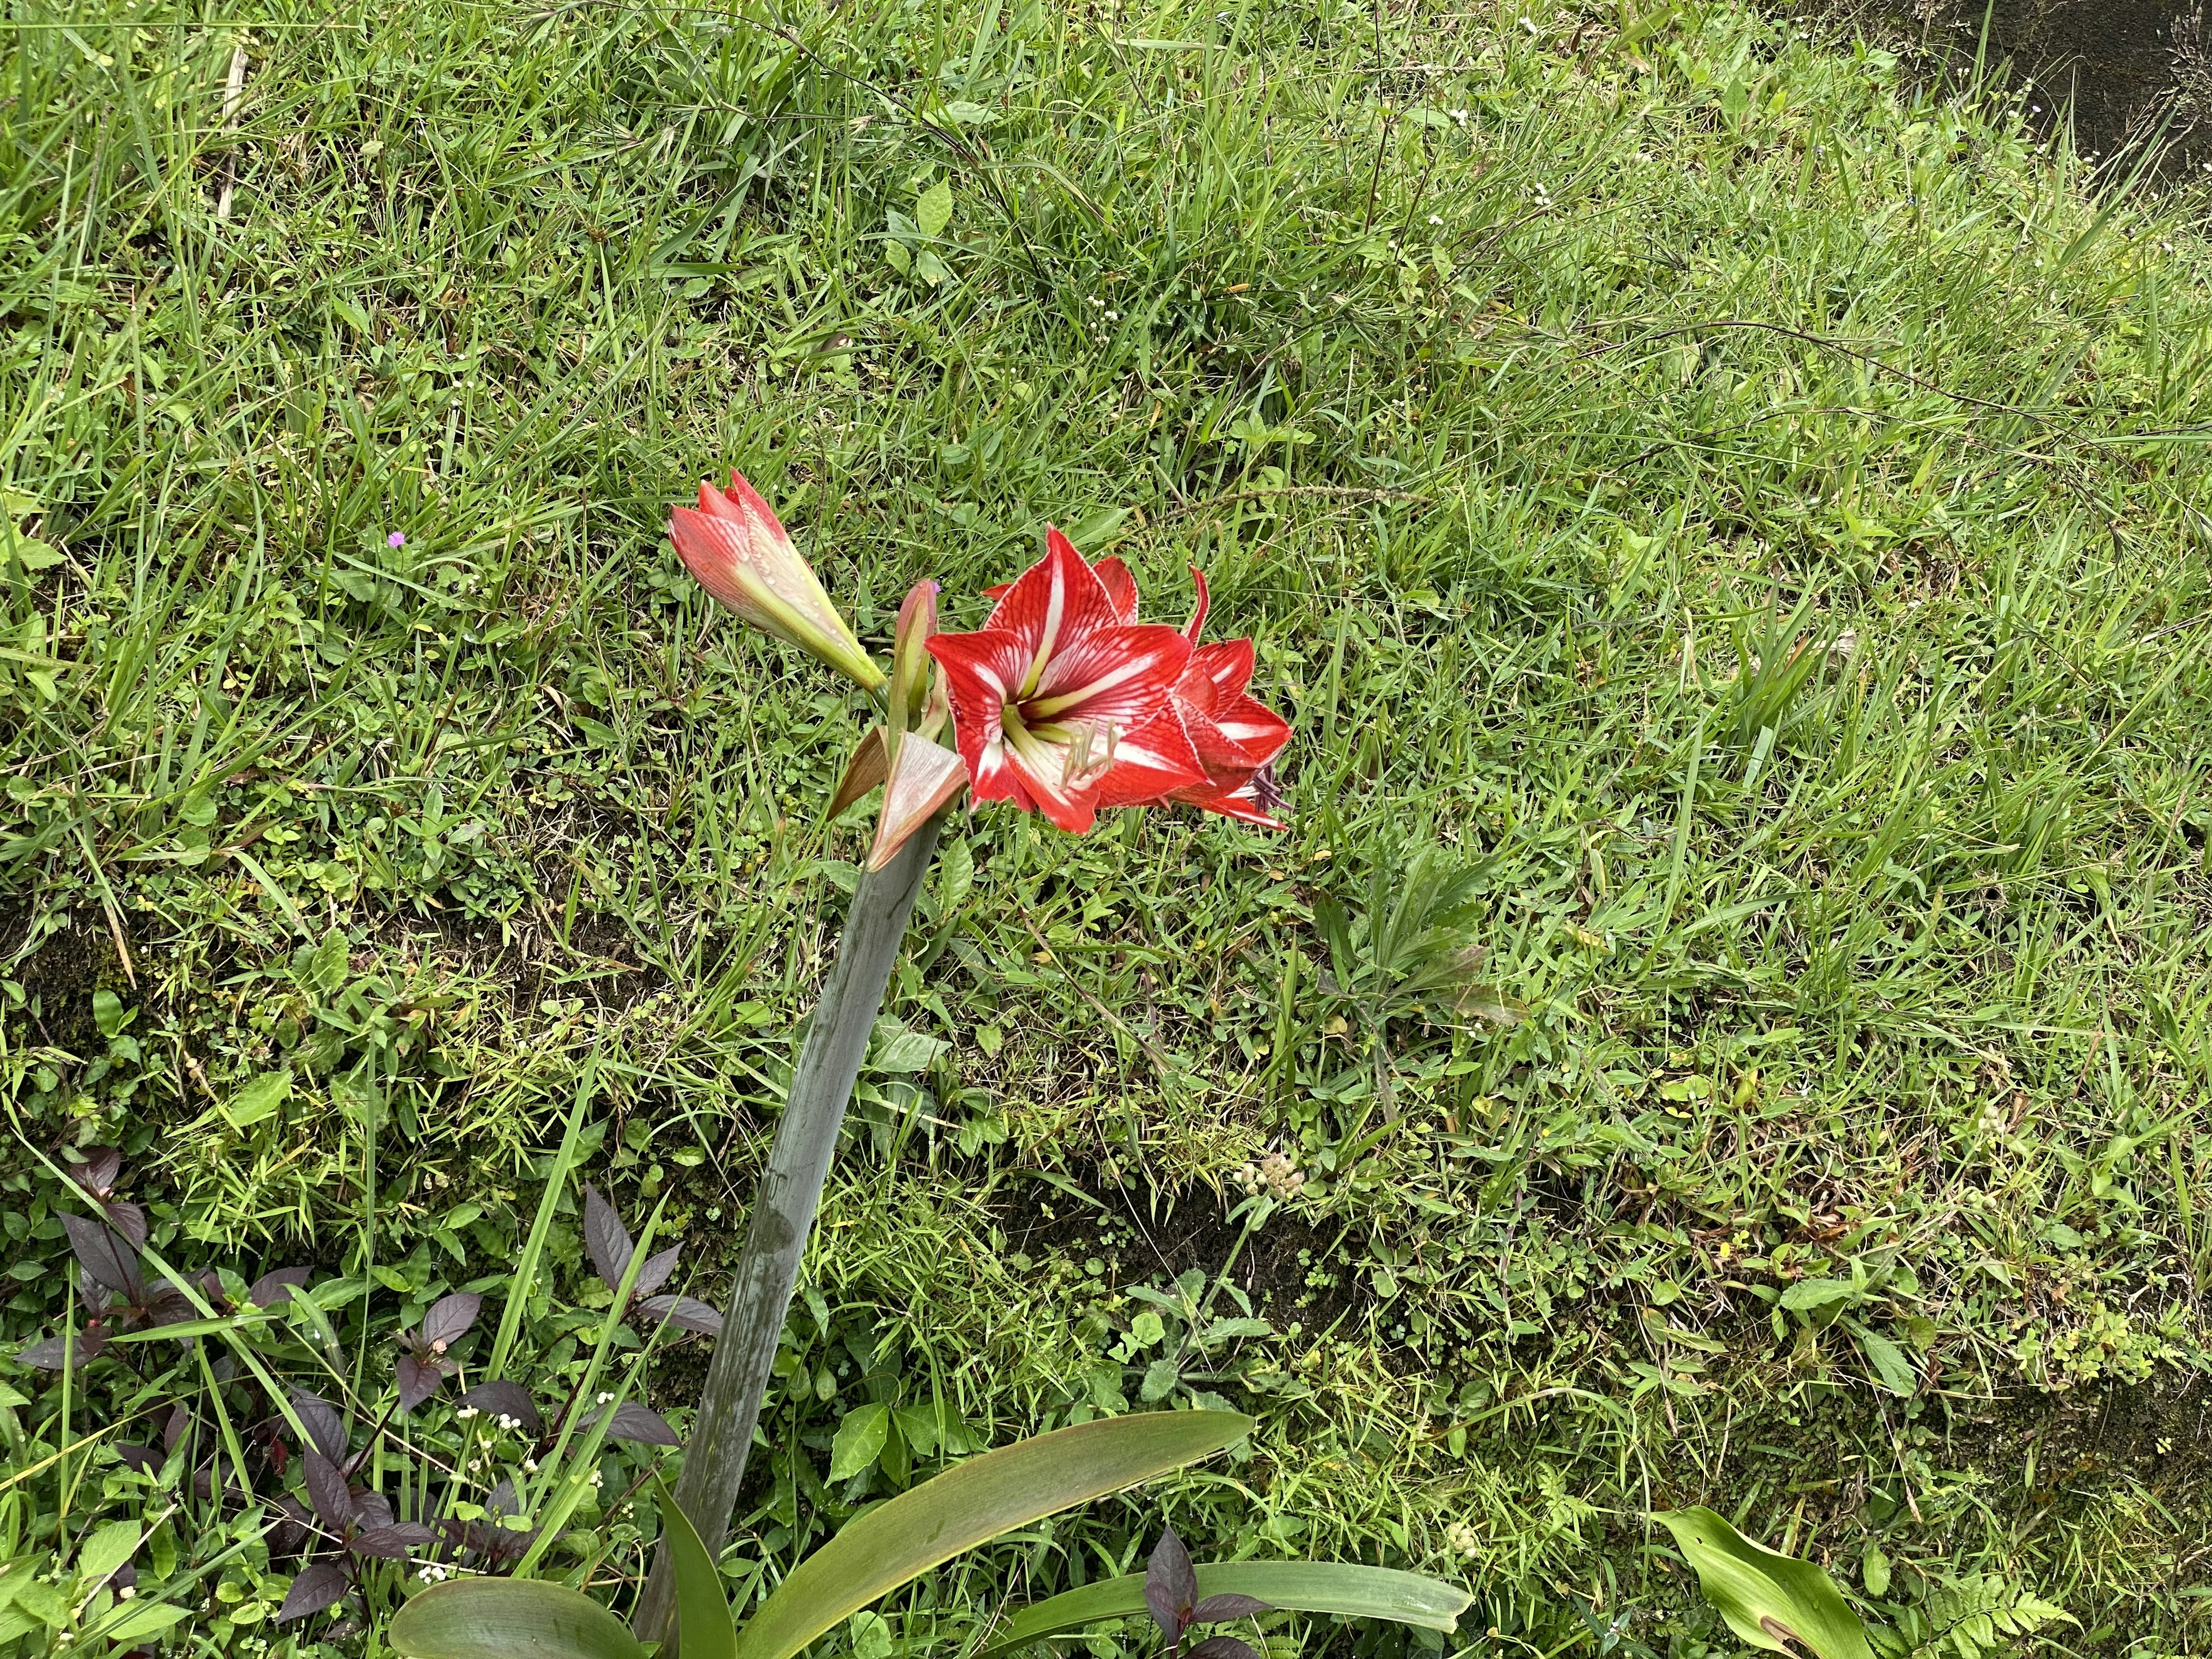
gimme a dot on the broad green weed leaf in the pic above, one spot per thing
(1768, 1598)
(933, 210)
(859, 1440)
(106, 1550)
(1809, 1293)
(258, 1099)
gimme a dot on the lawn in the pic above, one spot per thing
(1732, 512)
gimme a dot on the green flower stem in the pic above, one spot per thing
(783, 1209)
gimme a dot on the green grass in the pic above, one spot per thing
(1749, 511)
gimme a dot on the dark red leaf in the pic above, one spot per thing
(652, 1273)
(52, 1353)
(180, 1418)
(105, 1254)
(605, 1238)
(631, 1421)
(144, 1459)
(327, 1490)
(322, 1423)
(449, 1319)
(1170, 1585)
(128, 1219)
(371, 1510)
(170, 1306)
(289, 1536)
(686, 1313)
(97, 1170)
(316, 1588)
(418, 1381)
(505, 1400)
(272, 1288)
(1219, 1609)
(389, 1543)
(1223, 1647)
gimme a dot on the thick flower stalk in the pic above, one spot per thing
(1062, 703)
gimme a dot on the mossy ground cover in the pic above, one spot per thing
(1738, 517)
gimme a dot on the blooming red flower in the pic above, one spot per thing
(1235, 736)
(1060, 704)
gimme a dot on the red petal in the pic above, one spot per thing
(1056, 600)
(1151, 762)
(1120, 587)
(1227, 662)
(981, 670)
(1197, 617)
(1236, 804)
(1121, 676)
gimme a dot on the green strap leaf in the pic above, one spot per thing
(970, 1504)
(1768, 1598)
(704, 1629)
(1350, 1591)
(503, 1617)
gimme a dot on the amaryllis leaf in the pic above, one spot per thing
(1333, 1587)
(631, 1421)
(505, 1399)
(686, 1313)
(892, 1542)
(105, 1254)
(316, 1588)
(500, 1618)
(1170, 1585)
(418, 1381)
(449, 1319)
(653, 1272)
(327, 1490)
(605, 1239)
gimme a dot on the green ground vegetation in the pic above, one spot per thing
(1727, 523)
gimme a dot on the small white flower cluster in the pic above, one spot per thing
(1460, 1538)
(1277, 1173)
(431, 1573)
(603, 1399)
(1101, 329)
(1460, 115)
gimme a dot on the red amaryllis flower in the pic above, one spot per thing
(1060, 704)
(1235, 736)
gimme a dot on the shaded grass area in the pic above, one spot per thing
(1746, 518)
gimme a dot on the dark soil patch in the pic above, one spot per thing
(2119, 73)
(1293, 1270)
